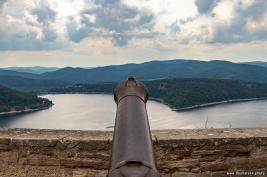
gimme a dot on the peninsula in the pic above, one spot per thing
(16, 102)
(185, 94)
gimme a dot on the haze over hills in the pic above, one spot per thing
(150, 71)
(162, 69)
(28, 84)
(33, 69)
(256, 63)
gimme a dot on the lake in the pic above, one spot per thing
(97, 112)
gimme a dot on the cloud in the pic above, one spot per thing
(54, 24)
(2, 3)
(44, 12)
(120, 40)
(225, 21)
(25, 41)
(205, 6)
(28, 26)
(112, 19)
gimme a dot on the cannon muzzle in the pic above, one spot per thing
(132, 149)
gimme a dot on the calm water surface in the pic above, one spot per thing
(97, 112)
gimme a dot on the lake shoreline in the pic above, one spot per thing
(97, 112)
(205, 105)
(217, 103)
(194, 107)
(13, 113)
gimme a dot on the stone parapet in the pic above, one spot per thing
(191, 153)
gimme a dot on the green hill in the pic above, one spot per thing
(26, 84)
(12, 100)
(144, 71)
(162, 69)
(183, 93)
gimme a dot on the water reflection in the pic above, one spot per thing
(97, 112)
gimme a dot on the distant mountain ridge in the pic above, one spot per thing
(162, 69)
(33, 69)
(28, 84)
(256, 63)
(152, 70)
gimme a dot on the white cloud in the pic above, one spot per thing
(225, 21)
(135, 30)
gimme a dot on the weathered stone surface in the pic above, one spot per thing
(39, 171)
(9, 157)
(96, 155)
(89, 163)
(4, 147)
(248, 163)
(4, 141)
(214, 166)
(34, 142)
(195, 170)
(183, 165)
(7, 170)
(79, 173)
(183, 153)
(207, 155)
(42, 160)
(208, 152)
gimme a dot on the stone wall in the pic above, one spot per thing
(191, 153)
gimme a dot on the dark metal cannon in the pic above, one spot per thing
(132, 150)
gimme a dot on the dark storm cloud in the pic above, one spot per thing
(114, 17)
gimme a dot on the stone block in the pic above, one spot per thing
(247, 163)
(9, 157)
(4, 147)
(42, 160)
(34, 142)
(182, 165)
(80, 173)
(214, 166)
(5, 141)
(92, 163)
(45, 171)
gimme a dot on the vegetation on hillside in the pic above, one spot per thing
(26, 84)
(144, 71)
(181, 93)
(12, 100)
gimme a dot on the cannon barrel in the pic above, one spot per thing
(132, 149)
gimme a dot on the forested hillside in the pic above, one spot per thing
(27, 84)
(12, 100)
(144, 71)
(181, 93)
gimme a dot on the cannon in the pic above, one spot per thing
(132, 149)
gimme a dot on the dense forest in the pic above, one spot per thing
(12, 100)
(182, 93)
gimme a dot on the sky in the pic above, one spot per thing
(86, 33)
